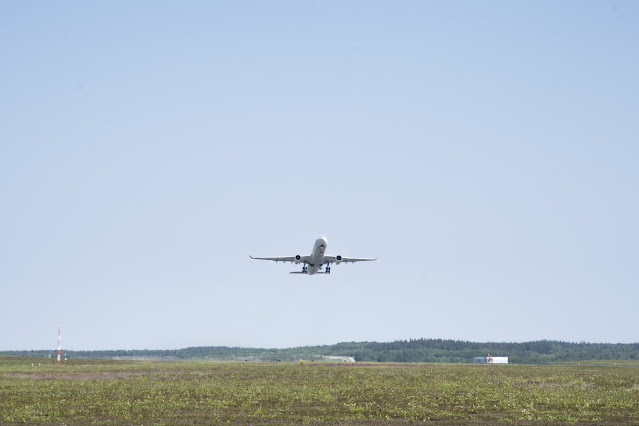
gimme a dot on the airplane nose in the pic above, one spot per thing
(321, 240)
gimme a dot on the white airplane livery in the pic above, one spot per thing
(314, 263)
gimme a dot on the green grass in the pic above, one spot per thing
(112, 392)
(599, 362)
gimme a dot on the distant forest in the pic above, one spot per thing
(417, 350)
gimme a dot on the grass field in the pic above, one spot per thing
(606, 363)
(112, 392)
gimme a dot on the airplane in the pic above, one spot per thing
(313, 264)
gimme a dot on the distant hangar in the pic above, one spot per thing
(491, 360)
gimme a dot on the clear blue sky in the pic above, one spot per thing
(487, 152)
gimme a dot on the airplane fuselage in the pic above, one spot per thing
(317, 255)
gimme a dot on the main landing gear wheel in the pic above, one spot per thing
(328, 269)
(305, 269)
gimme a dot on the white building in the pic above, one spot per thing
(491, 360)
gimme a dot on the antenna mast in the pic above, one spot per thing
(59, 345)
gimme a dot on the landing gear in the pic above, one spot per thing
(304, 269)
(328, 269)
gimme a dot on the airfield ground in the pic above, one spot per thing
(116, 392)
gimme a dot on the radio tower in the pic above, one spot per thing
(59, 345)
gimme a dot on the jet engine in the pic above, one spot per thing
(297, 259)
(338, 260)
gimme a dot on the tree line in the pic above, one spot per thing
(413, 350)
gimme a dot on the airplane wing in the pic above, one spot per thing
(334, 259)
(302, 259)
